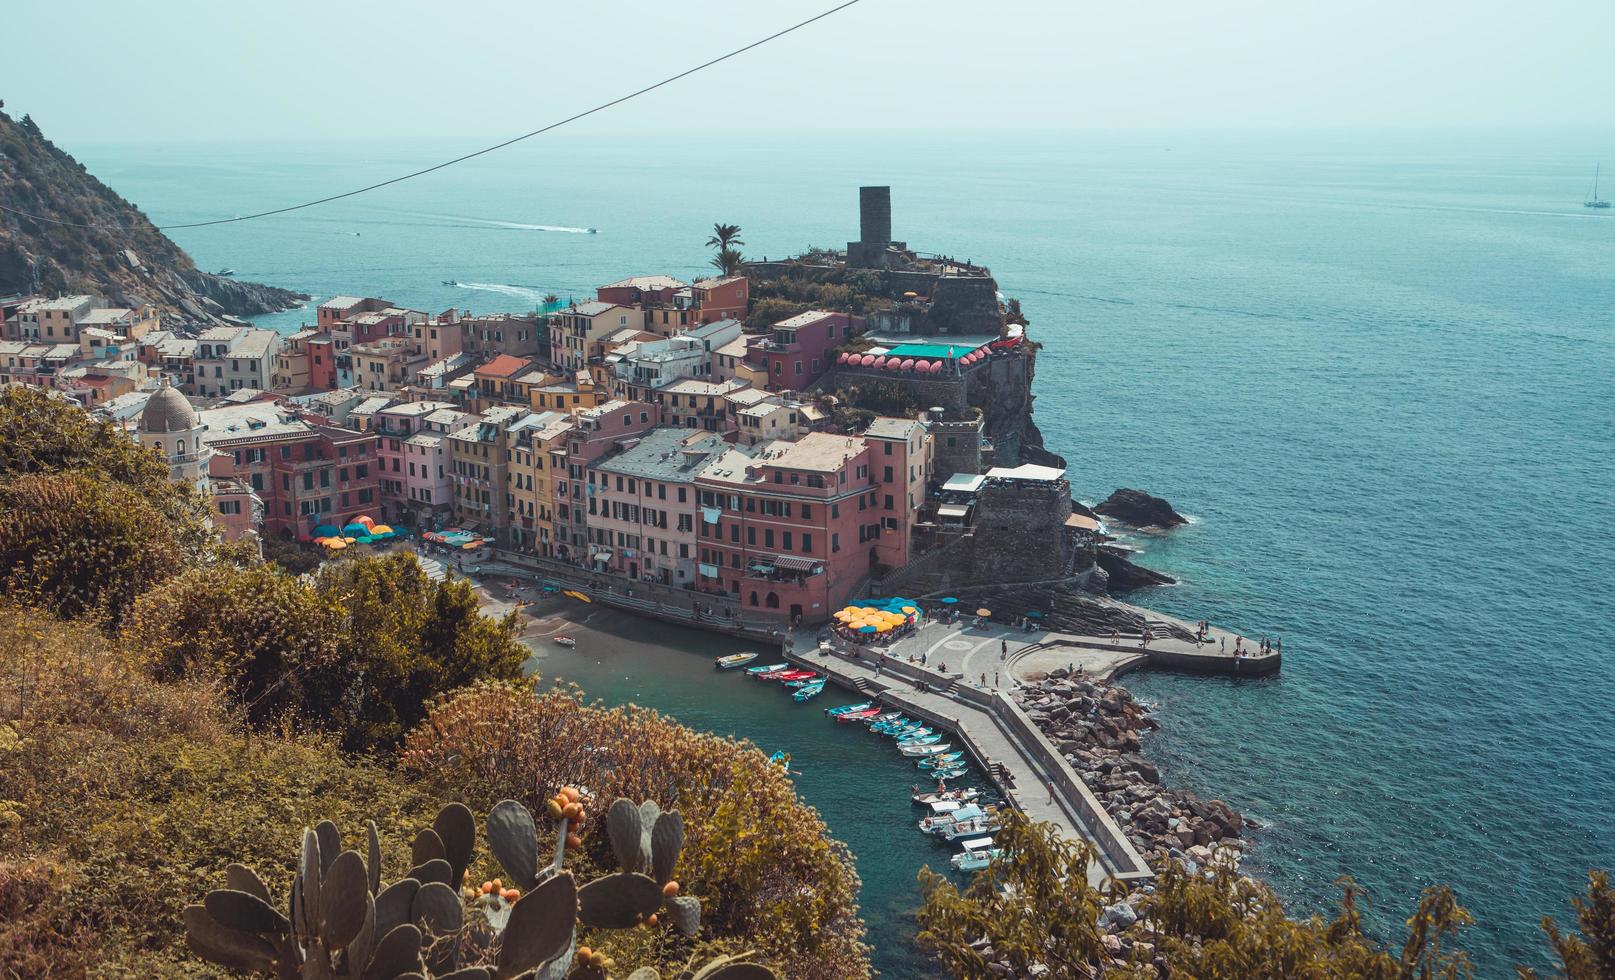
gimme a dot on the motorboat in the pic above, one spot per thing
(734, 660)
(797, 675)
(565, 641)
(929, 738)
(951, 771)
(960, 829)
(934, 823)
(890, 724)
(754, 671)
(963, 795)
(977, 854)
(852, 716)
(809, 692)
(850, 708)
(913, 751)
(915, 733)
(807, 681)
(885, 718)
(774, 675)
(945, 761)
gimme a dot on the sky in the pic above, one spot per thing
(163, 70)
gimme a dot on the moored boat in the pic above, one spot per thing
(773, 675)
(810, 692)
(734, 660)
(754, 671)
(797, 675)
(852, 716)
(849, 708)
(946, 760)
(918, 750)
(807, 681)
(963, 795)
(960, 829)
(883, 719)
(565, 641)
(977, 854)
(913, 734)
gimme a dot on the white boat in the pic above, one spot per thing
(964, 795)
(914, 734)
(734, 660)
(977, 854)
(566, 641)
(936, 822)
(915, 751)
(766, 668)
(984, 824)
(1595, 201)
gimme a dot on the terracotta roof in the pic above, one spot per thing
(503, 366)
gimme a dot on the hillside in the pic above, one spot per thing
(109, 247)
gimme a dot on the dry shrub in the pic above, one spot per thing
(34, 940)
(761, 861)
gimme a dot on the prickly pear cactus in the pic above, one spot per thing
(342, 922)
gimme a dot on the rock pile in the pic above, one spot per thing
(1099, 730)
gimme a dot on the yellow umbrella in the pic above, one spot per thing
(336, 544)
(910, 610)
(883, 627)
(381, 529)
(984, 612)
(349, 540)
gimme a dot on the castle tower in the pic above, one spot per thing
(171, 426)
(874, 229)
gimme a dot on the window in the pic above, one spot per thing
(807, 543)
(835, 542)
(751, 535)
(229, 506)
(785, 543)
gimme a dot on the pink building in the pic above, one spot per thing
(797, 349)
(596, 432)
(643, 514)
(789, 528)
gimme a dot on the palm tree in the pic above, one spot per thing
(728, 260)
(724, 237)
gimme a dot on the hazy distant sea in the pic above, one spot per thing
(1377, 369)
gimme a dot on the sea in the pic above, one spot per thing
(1376, 369)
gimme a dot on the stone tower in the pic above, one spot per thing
(171, 426)
(874, 229)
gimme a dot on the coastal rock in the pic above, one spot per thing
(1122, 573)
(1139, 509)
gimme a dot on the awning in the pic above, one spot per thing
(792, 563)
(1082, 522)
(604, 554)
(964, 482)
(960, 511)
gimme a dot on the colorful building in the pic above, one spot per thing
(642, 509)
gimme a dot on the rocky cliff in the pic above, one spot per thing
(63, 231)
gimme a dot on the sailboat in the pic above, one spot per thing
(1595, 201)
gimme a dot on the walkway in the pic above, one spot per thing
(1030, 772)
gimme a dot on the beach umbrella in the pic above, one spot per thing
(908, 364)
(364, 539)
(353, 527)
(866, 628)
(984, 612)
(362, 519)
(380, 529)
(867, 360)
(1034, 614)
(335, 544)
(894, 365)
(326, 531)
(950, 600)
(910, 610)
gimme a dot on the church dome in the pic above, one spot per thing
(168, 411)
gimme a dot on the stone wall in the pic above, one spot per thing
(1018, 530)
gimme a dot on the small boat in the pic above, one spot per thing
(807, 681)
(766, 670)
(944, 761)
(946, 796)
(943, 775)
(772, 675)
(734, 660)
(858, 715)
(887, 727)
(984, 824)
(777, 759)
(594, 231)
(914, 734)
(450, 282)
(850, 708)
(977, 854)
(797, 675)
(929, 738)
(1595, 201)
(912, 728)
(810, 692)
(942, 813)
(916, 751)
(231, 272)
(883, 719)
(566, 641)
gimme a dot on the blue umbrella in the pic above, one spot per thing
(326, 531)
(950, 600)
(1034, 614)
(866, 629)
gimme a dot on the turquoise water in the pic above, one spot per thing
(1376, 368)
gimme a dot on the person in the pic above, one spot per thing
(1003, 649)
(1115, 637)
(1278, 645)
(1051, 794)
(1224, 641)
(984, 678)
(995, 678)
